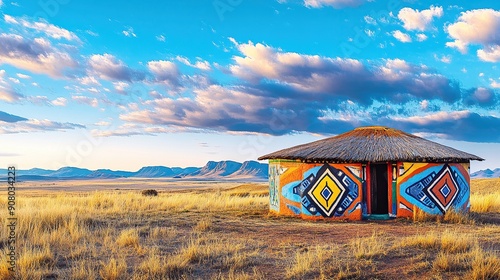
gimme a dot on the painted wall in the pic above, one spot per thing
(335, 191)
(315, 191)
(434, 188)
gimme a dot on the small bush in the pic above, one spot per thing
(149, 193)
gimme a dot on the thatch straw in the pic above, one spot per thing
(373, 144)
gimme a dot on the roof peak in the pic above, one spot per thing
(373, 127)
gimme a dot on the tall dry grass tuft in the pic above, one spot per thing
(162, 232)
(452, 217)
(451, 262)
(83, 269)
(453, 242)
(485, 203)
(447, 241)
(367, 248)
(203, 225)
(153, 267)
(241, 275)
(429, 240)
(128, 237)
(113, 269)
(34, 258)
(308, 261)
(5, 274)
(485, 265)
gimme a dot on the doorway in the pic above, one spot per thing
(379, 185)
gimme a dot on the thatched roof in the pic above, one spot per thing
(373, 144)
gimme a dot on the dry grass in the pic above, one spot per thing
(113, 269)
(369, 247)
(203, 225)
(485, 203)
(128, 237)
(485, 265)
(309, 260)
(452, 217)
(226, 234)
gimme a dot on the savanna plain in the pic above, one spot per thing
(222, 230)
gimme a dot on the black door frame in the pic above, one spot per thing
(379, 188)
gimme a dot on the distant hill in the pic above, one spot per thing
(213, 170)
(110, 174)
(487, 173)
(66, 172)
(162, 171)
(252, 169)
(217, 169)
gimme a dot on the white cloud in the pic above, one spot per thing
(370, 20)
(424, 104)
(92, 33)
(489, 53)
(161, 38)
(369, 32)
(338, 4)
(7, 92)
(129, 32)
(444, 58)
(34, 125)
(402, 37)
(121, 87)
(165, 72)
(439, 116)
(200, 64)
(14, 80)
(23, 76)
(89, 81)
(419, 20)
(476, 27)
(93, 90)
(86, 100)
(36, 55)
(494, 83)
(421, 37)
(108, 67)
(102, 123)
(60, 101)
(43, 27)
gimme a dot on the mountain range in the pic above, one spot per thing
(487, 173)
(213, 170)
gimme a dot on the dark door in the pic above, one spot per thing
(379, 189)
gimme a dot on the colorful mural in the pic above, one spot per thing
(274, 182)
(433, 188)
(317, 191)
(335, 191)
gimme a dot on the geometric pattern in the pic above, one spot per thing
(326, 191)
(274, 183)
(443, 189)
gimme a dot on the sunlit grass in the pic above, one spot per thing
(178, 235)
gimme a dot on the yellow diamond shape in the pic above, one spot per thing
(329, 202)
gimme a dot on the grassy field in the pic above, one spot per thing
(225, 232)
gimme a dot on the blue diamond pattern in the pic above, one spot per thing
(445, 190)
(326, 192)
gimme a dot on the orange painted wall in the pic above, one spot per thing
(432, 187)
(315, 190)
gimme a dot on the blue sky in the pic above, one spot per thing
(121, 85)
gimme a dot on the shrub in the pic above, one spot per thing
(150, 193)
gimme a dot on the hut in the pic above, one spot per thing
(370, 172)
